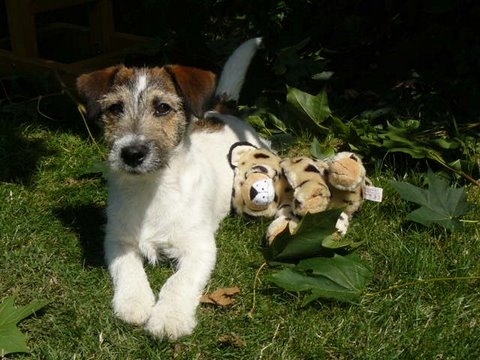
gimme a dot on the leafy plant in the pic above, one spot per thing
(439, 204)
(314, 236)
(314, 108)
(341, 278)
(295, 63)
(374, 133)
(11, 339)
(308, 265)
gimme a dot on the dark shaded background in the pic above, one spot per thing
(370, 45)
(418, 59)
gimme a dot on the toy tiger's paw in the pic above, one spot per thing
(284, 218)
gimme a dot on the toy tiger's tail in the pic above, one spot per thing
(233, 74)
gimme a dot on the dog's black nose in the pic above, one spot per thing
(134, 155)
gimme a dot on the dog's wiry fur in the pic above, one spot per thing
(169, 183)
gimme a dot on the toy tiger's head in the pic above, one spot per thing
(258, 182)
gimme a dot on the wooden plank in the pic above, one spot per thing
(13, 64)
(101, 25)
(50, 5)
(21, 25)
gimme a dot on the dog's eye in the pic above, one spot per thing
(115, 109)
(161, 109)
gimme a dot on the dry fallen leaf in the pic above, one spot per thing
(232, 340)
(221, 296)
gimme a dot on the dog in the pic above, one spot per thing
(169, 182)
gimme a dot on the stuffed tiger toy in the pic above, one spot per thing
(288, 189)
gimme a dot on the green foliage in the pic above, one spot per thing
(51, 214)
(11, 339)
(457, 152)
(341, 278)
(312, 234)
(313, 108)
(308, 266)
(51, 247)
(440, 204)
(294, 65)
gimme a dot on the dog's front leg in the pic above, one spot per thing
(133, 298)
(173, 315)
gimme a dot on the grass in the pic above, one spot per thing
(423, 302)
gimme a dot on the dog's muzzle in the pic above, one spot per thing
(134, 155)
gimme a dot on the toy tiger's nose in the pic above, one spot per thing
(134, 155)
(262, 192)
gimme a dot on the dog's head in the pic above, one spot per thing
(145, 112)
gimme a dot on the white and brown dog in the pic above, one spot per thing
(170, 181)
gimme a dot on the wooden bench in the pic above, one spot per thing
(103, 46)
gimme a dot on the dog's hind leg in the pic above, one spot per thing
(133, 299)
(173, 315)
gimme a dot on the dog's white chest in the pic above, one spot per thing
(139, 212)
(154, 213)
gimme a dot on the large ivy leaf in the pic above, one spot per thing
(314, 107)
(307, 263)
(319, 151)
(11, 339)
(439, 204)
(341, 278)
(312, 232)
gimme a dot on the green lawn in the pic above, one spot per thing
(51, 218)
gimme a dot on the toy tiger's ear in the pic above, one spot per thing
(93, 86)
(197, 86)
(237, 151)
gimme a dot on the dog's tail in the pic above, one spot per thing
(234, 71)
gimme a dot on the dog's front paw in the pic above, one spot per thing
(133, 309)
(170, 322)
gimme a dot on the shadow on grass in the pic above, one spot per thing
(87, 221)
(44, 100)
(30, 105)
(19, 155)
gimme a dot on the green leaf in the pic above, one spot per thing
(318, 151)
(324, 75)
(341, 278)
(375, 114)
(279, 124)
(312, 230)
(11, 339)
(334, 243)
(410, 192)
(288, 56)
(446, 144)
(440, 204)
(315, 107)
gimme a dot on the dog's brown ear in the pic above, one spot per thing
(197, 86)
(93, 86)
